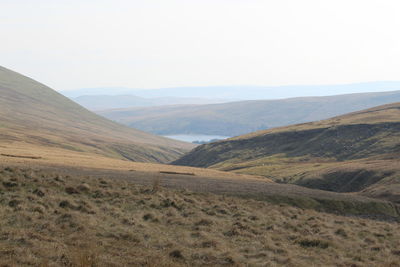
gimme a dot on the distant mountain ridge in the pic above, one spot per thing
(33, 113)
(242, 92)
(237, 118)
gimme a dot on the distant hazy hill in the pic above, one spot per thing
(358, 152)
(32, 113)
(243, 92)
(101, 102)
(236, 118)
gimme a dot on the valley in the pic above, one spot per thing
(79, 190)
(199, 133)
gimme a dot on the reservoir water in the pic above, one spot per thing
(195, 137)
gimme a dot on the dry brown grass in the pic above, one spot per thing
(58, 157)
(199, 180)
(49, 219)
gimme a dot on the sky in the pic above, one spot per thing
(168, 43)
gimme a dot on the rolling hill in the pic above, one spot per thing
(102, 102)
(237, 118)
(357, 152)
(33, 114)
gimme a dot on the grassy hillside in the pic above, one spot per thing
(358, 152)
(236, 118)
(52, 219)
(32, 113)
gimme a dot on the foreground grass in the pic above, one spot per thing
(53, 220)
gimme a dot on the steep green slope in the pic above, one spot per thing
(345, 154)
(237, 118)
(33, 113)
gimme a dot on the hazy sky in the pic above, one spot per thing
(150, 44)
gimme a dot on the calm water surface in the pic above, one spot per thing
(195, 137)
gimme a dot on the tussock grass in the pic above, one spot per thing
(108, 222)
